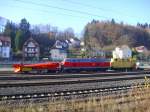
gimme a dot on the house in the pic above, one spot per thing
(73, 43)
(141, 49)
(42, 47)
(45, 44)
(3, 22)
(123, 52)
(95, 52)
(5, 47)
(31, 49)
(58, 54)
(59, 50)
(143, 52)
(37, 47)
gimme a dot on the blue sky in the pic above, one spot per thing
(75, 13)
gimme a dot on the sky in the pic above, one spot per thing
(75, 13)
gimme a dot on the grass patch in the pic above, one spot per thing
(136, 100)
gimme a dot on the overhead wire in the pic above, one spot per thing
(60, 8)
(44, 11)
(95, 7)
(91, 15)
(87, 5)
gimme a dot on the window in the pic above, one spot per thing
(31, 44)
(36, 55)
(1, 43)
(25, 49)
(5, 54)
(36, 49)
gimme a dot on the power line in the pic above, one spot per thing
(44, 11)
(88, 6)
(60, 8)
(99, 8)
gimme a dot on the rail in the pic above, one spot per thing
(70, 94)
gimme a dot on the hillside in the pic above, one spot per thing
(106, 35)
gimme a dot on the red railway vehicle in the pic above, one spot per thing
(85, 64)
(68, 65)
(38, 67)
(75, 65)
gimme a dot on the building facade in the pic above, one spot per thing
(59, 50)
(31, 50)
(5, 47)
(58, 54)
(123, 52)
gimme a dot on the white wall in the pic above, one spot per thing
(122, 53)
(5, 52)
(57, 55)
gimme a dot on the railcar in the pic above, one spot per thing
(38, 67)
(123, 64)
(85, 64)
(77, 65)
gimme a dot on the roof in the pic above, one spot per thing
(5, 38)
(140, 48)
(31, 39)
(123, 47)
(44, 41)
(61, 44)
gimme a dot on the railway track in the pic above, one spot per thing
(67, 93)
(123, 98)
(67, 75)
(66, 80)
(115, 93)
(119, 95)
(82, 72)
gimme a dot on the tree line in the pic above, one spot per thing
(102, 35)
(21, 32)
(145, 25)
(106, 35)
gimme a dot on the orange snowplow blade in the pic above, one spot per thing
(17, 68)
(36, 66)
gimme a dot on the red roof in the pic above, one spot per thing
(5, 38)
(140, 49)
